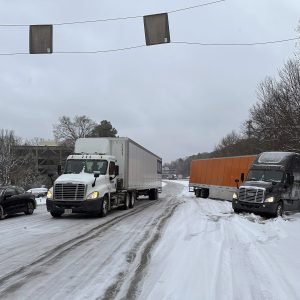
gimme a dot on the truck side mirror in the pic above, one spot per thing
(242, 177)
(116, 170)
(59, 172)
(237, 183)
(50, 175)
(96, 175)
(289, 178)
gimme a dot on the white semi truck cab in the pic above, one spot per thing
(102, 174)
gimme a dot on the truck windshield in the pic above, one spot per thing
(265, 175)
(76, 166)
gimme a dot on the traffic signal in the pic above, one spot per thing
(157, 29)
(41, 39)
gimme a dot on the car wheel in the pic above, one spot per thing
(104, 207)
(56, 214)
(30, 208)
(2, 214)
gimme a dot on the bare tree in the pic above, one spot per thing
(9, 160)
(67, 131)
(276, 115)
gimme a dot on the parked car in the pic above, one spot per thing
(38, 192)
(14, 199)
(40, 195)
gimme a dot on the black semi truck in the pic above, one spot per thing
(272, 186)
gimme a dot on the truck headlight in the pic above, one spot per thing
(49, 195)
(93, 195)
(269, 199)
(234, 196)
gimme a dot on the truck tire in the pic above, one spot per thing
(236, 211)
(55, 214)
(132, 199)
(204, 193)
(198, 193)
(2, 214)
(153, 194)
(104, 207)
(279, 210)
(127, 201)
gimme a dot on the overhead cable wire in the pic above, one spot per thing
(100, 51)
(78, 52)
(117, 18)
(175, 42)
(195, 6)
(237, 44)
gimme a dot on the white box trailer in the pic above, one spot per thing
(111, 171)
(138, 167)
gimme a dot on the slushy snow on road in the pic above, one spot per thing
(179, 247)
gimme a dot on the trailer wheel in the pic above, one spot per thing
(236, 211)
(127, 201)
(132, 199)
(198, 193)
(204, 193)
(153, 194)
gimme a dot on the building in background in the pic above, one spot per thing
(45, 158)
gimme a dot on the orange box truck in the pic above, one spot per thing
(218, 178)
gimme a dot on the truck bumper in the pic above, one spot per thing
(87, 206)
(259, 208)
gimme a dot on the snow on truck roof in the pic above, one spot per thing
(273, 157)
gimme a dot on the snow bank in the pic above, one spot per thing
(208, 252)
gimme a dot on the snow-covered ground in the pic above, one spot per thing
(207, 252)
(179, 247)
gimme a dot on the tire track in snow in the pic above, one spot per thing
(25, 273)
(138, 259)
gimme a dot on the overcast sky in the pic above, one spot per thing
(176, 100)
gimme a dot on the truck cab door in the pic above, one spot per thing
(293, 180)
(112, 185)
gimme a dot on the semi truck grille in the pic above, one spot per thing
(251, 195)
(69, 191)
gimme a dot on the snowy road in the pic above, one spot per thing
(179, 247)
